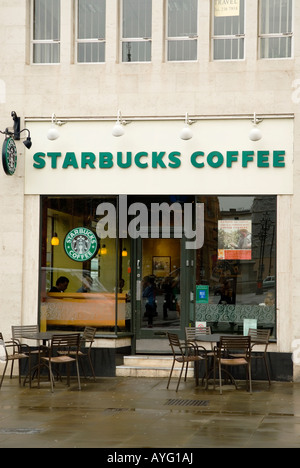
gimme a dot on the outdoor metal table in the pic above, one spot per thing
(45, 337)
(214, 338)
(42, 336)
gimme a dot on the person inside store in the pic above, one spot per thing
(61, 285)
(149, 295)
(87, 283)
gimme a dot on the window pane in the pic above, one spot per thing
(46, 24)
(136, 51)
(46, 53)
(182, 50)
(229, 49)
(276, 47)
(91, 52)
(276, 16)
(94, 291)
(91, 19)
(137, 18)
(230, 25)
(238, 263)
(182, 18)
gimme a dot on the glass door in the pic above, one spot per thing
(162, 288)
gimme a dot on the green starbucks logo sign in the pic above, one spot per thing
(81, 244)
(9, 156)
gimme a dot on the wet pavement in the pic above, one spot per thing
(122, 412)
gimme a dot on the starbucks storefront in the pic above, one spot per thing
(188, 227)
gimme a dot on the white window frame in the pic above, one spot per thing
(124, 40)
(39, 41)
(224, 37)
(275, 35)
(190, 37)
(87, 41)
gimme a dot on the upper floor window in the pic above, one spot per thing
(91, 16)
(228, 26)
(46, 31)
(276, 28)
(136, 30)
(182, 30)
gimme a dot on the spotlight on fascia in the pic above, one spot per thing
(118, 129)
(186, 133)
(255, 134)
(53, 133)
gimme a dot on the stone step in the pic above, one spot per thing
(150, 366)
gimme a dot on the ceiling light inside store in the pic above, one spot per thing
(55, 240)
(255, 134)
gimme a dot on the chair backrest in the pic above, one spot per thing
(190, 332)
(66, 343)
(174, 343)
(242, 344)
(18, 330)
(259, 336)
(88, 335)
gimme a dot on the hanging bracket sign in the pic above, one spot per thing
(9, 156)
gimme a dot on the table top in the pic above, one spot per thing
(213, 338)
(42, 335)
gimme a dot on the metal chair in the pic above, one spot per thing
(190, 336)
(233, 351)
(17, 334)
(7, 357)
(87, 340)
(260, 337)
(191, 332)
(184, 354)
(64, 349)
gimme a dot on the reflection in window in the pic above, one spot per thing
(228, 30)
(182, 30)
(136, 30)
(46, 31)
(97, 293)
(276, 28)
(91, 31)
(237, 263)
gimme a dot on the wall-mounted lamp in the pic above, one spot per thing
(53, 133)
(118, 129)
(15, 134)
(186, 133)
(255, 134)
(124, 252)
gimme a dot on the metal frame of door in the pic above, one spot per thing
(187, 286)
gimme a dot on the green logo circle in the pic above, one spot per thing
(9, 156)
(81, 244)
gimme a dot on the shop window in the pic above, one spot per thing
(236, 268)
(275, 33)
(94, 271)
(46, 31)
(182, 30)
(136, 30)
(91, 31)
(228, 26)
